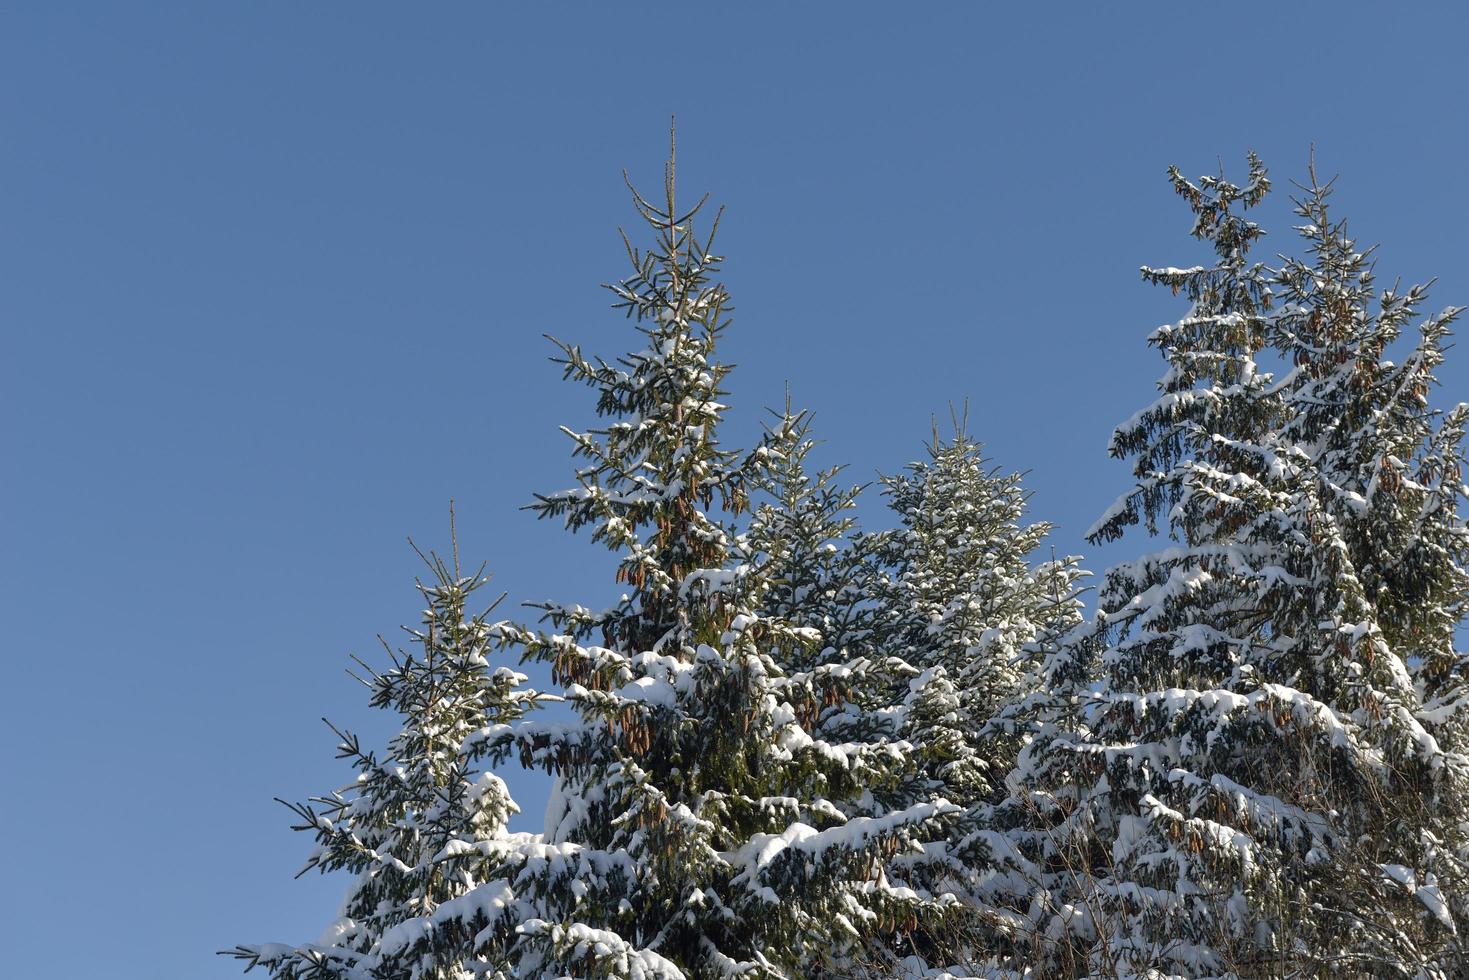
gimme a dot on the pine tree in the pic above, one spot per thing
(698, 827)
(423, 825)
(1215, 750)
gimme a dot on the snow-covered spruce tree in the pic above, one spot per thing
(698, 828)
(964, 611)
(825, 576)
(818, 570)
(1388, 485)
(1119, 889)
(1217, 749)
(423, 825)
(822, 574)
(962, 603)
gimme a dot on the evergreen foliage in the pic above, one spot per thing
(424, 824)
(826, 577)
(796, 749)
(821, 575)
(963, 605)
(717, 833)
(1243, 782)
(819, 571)
(965, 612)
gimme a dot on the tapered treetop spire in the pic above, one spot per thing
(1248, 762)
(706, 829)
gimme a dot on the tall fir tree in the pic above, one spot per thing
(1233, 767)
(424, 824)
(702, 829)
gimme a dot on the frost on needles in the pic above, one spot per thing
(797, 749)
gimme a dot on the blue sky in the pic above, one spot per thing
(274, 278)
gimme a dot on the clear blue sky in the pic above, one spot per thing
(273, 279)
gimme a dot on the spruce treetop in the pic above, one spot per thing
(1251, 727)
(707, 825)
(423, 824)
